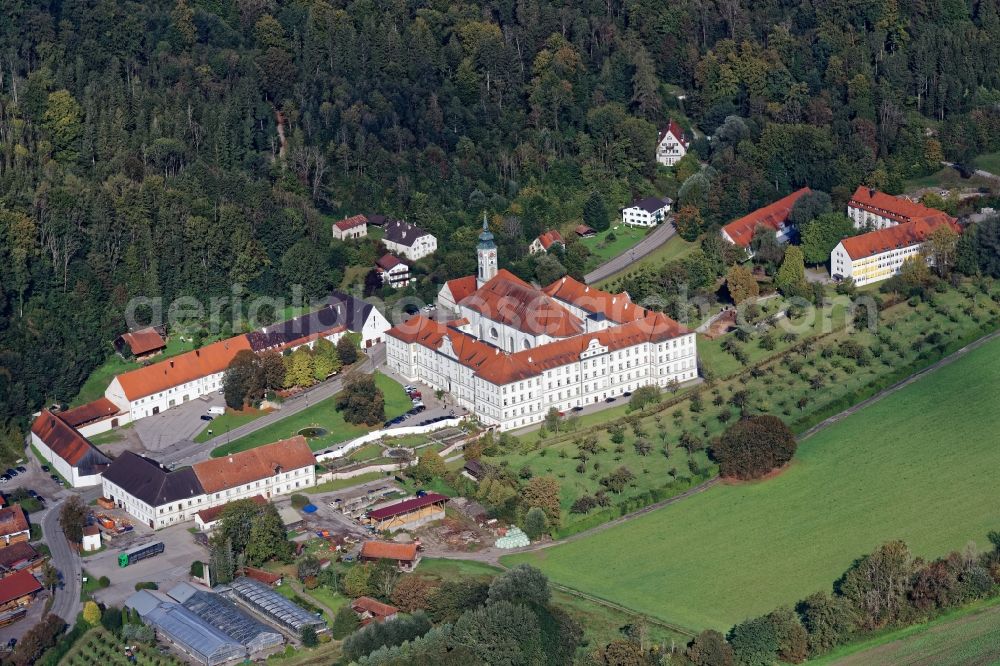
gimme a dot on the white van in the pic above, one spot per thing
(217, 410)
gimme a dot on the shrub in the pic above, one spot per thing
(299, 501)
(146, 585)
(197, 569)
(754, 446)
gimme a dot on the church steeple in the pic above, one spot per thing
(486, 252)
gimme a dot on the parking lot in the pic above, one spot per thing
(173, 565)
(180, 423)
(434, 408)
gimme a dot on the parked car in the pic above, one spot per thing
(53, 477)
(409, 387)
(578, 408)
(21, 468)
(206, 417)
(416, 394)
(627, 393)
(45, 468)
(11, 643)
(4, 478)
(609, 400)
(417, 403)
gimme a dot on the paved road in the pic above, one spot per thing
(187, 452)
(655, 239)
(67, 602)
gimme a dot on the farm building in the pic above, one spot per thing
(225, 616)
(261, 576)
(278, 609)
(141, 344)
(17, 591)
(69, 452)
(408, 514)
(202, 642)
(404, 555)
(13, 526)
(92, 418)
(17, 557)
(371, 610)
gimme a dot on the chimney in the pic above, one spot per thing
(197, 352)
(171, 364)
(871, 191)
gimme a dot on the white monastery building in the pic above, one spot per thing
(408, 240)
(879, 255)
(647, 212)
(671, 145)
(514, 351)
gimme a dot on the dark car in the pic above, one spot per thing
(11, 472)
(45, 468)
(33, 493)
(627, 393)
(54, 477)
(21, 469)
(609, 400)
(11, 643)
(578, 408)
(206, 417)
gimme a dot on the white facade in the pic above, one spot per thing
(864, 218)
(671, 147)
(422, 246)
(645, 216)
(65, 470)
(352, 232)
(91, 542)
(596, 374)
(875, 268)
(182, 510)
(396, 277)
(161, 400)
(374, 328)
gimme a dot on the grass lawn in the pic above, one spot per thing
(99, 379)
(914, 466)
(367, 452)
(601, 249)
(222, 424)
(965, 636)
(988, 162)
(110, 437)
(324, 415)
(675, 248)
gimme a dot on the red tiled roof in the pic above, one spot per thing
(773, 216)
(63, 440)
(99, 409)
(406, 506)
(262, 576)
(509, 300)
(549, 237)
(463, 287)
(895, 208)
(212, 513)
(675, 129)
(91, 530)
(377, 550)
(351, 222)
(374, 607)
(144, 341)
(388, 262)
(12, 520)
(17, 554)
(616, 307)
(18, 585)
(181, 369)
(499, 367)
(584, 230)
(892, 238)
(248, 466)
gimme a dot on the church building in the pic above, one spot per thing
(509, 351)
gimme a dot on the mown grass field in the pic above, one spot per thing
(966, 636)
(917, 465)
(601, 249)
(800, 385)
(675, 248)
(222, 424)
(323, 415)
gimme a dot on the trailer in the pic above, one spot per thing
(138, 553)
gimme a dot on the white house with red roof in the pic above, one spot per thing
(393, 271)
(879, 255)
(546, 240)
(671, 145)
(518, 351)
(352, 227)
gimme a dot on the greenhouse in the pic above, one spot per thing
(198, 639)
(273, 606)
(225, 616)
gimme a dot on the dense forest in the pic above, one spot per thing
(140, 151)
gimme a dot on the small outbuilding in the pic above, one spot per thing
(408, 514)
(371, 610)
(91, 538)
(403, 555)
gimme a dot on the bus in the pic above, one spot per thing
(133, 555)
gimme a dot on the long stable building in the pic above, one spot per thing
(514, 351)
(160, 497)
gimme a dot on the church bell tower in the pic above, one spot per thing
(486, 252)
